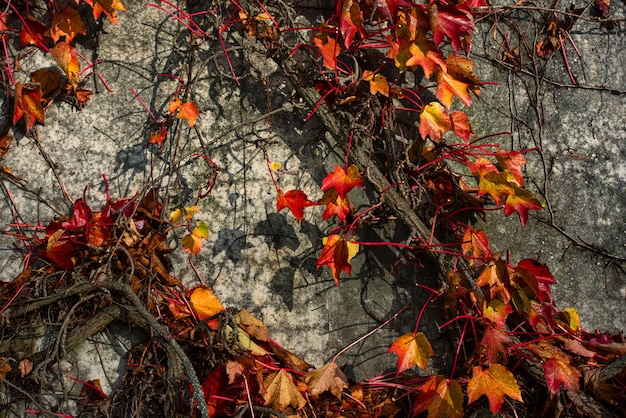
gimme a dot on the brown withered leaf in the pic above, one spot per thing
(253, 326)
(329, 377)
(290, 359)
(281, 392)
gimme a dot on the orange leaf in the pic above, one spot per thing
(495, 383)
(204, 303)
(378, 83)
(281, 392)
(67, 59)
(28, 105)
(68, 24)
(350, 22)
(476, 244)
(458, 80)
(496, 276)
(461, 125)
(496, 312)
(5, 367)
(425, 54)
(329, 377)
(440, 397)
(412, 350)
(512, 162)
(295, 200)
(343, 182)
(158, 135)
(434, 121)
(108, 7)
(336, 254)
(189, 111)
(328, 47)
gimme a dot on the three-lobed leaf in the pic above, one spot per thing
(440, 397)
(412, 350)
(495, 383)
(295, 200)
(343, 181)
(336, 254)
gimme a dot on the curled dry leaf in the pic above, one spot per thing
(253, 326)
(204, 302)
(329, 377)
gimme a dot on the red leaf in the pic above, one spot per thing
(34, 35)
(476, 244)
(343, 182)
(496, 312)
(350, 22)
(496, 382)
(81, 215)
(461, 125)
(412, 350)
(512, 161)
(455, 22)
(559, 372)
(440, 397)
(521, 201)
(295, 200)
(336, 254)
(494, 343)
(335, 205)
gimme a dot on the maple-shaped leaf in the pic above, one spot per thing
(281, 392)
(335, 205)
(424, 53)
(378, 83)
(67, 59)
(350, 22)
(476, 244)
(534, 277)
(68, 24)
(434, 121)
(496, 382)
(109, 8)
(496, 276)
(328, 378)
(295, 200)
(192, 243)
(343, 182)
(187, 111)
(32, 33)
(521, 201)
(158, 135)
(557, 367)
(27, 105)
(512, 162)
(336, 254)
(454, 21)
(496, 312)
(440, 397)
(204, 302)
(458, 80)
(496, 185)
(412, 350)
(328, 47)
(494, 343)
(461, 126)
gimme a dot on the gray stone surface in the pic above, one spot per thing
(265, 260)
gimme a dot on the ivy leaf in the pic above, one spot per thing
(187, 111)
(495, 342)
(458, 80)
(328, 378)
(412, 350)
(281, 392)
(496, 312)
(440, 397)
(68, 24)
(335, 205)
(204, 303)
(34, 35)
(453, 21)
(424, 53)
(512, 162)
(557, 367)
(28, 106)
(343, 182)
(496, 382)
(476, 244)
(521, 201)
(192, 243)
(496, 277)
(253, 326)
(434, 121)
(461, 126)
(328, 47)
(295, 200)
(378, 83)
(336, 254)
(67, 59)
(350, 22)
(108, 7)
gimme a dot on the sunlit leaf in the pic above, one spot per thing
(434, 121)
(495, 383)
(440, 397)
(281, 392)
(343, 181)
(412, 350)
(295, 200)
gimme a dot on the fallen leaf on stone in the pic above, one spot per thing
(253, 326)
(328, 378)
(281, 392)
